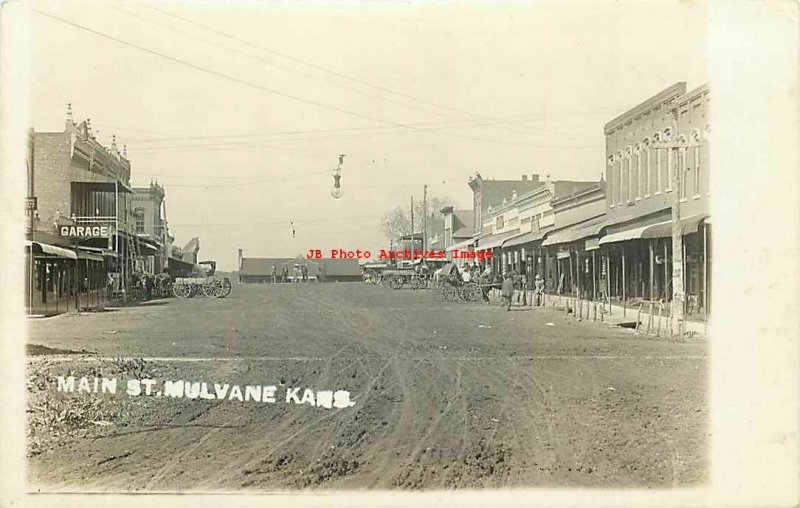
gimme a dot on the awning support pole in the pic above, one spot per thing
(624, 300)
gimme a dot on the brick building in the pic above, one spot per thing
(642, 191)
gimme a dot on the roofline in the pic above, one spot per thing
(674, 91)
(688, 96)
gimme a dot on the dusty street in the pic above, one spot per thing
(446, 395)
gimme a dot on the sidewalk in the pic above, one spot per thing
(615, 315)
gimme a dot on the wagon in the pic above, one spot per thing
(397, 278)
(212, 287)
(205, 283)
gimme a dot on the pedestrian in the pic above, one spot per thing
(274, 273)
(304, 269)
(148, 286)
(507, 290)
(319, 274)
(485, 281)
(284, 274)
(538, 290)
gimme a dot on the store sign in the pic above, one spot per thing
(86, 231)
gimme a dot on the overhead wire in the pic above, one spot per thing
(264, 88)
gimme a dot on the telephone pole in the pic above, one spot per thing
(677, 148)
(412, 225)
(425, 218)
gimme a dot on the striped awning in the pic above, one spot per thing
(46, 248)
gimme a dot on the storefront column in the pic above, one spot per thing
(652, 270)
(666, 273)
(623, 273)
(705, 272)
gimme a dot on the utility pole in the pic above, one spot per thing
(31, 206)
(412, 225)
(425, 218)
(678, 291)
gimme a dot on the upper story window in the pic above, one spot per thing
(695, 137)
(629, 173)
(684, 165)
(648, 177)
(499, 223)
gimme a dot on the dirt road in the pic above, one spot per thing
(444, 396)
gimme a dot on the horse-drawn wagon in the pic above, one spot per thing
(203, 282)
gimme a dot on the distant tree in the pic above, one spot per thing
(397, 222)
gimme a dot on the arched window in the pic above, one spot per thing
(637, 150)
(611, 180)
(683, 165)
(629, 186)
(695, 137)
(619, 158)
(647, 171)
(667, 137)
(657, 139)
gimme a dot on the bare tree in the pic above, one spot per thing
(397, 222)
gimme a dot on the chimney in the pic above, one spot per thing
(524, 178)
(240, 260)
(535, 177)
(70, 124)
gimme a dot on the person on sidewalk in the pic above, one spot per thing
(538, 290)
(274, 274)
(507, 290)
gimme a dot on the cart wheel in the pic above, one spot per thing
(212, 288)
(396, 282)
(439, 293)
(450, 293)
(226, 288)
(182, 290)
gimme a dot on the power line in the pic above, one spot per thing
(313, 65)
(267, 89)
(268, 62)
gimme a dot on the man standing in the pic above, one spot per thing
(538, 290)
(274, 273)
(507, 290)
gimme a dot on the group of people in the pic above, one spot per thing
(299, 274)
(143, 286)
(513, 285)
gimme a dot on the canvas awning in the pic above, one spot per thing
(46, 248)
(91, 256)
(664, 229)
(658, 230)
(628, 234)
(469, 242)
(494, 241)
(576, 232)
(521, 239)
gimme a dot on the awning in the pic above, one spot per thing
(576, 232)
(563, 254)
(493, 241)
(664, 229)
(89, 255)
(592, 244)
(463, 244)
(46, 248)
(521, 239)
(628, 234)
(148, 244)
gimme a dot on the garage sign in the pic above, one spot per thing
(86, 231)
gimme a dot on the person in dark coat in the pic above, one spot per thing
(507, 290)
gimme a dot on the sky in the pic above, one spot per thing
(240, 109)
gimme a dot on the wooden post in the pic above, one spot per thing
(658, 328)
(594, 276)
(639, 317)
(608, 282)
(624, 300)
(649, 318)
(652, 270)
(666, 268)
(705, 274)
